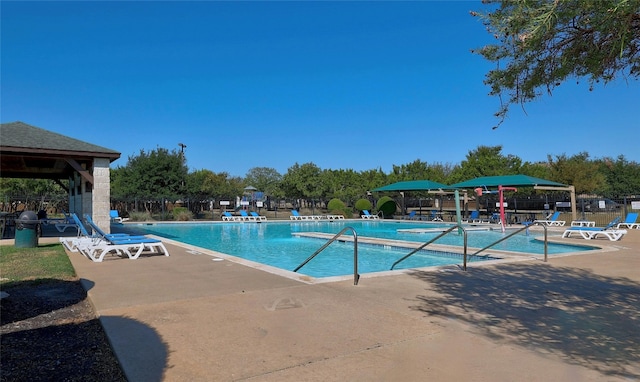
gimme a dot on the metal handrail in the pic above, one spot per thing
(427, 243)
(356, 276)
(513, 233)
(464, 232)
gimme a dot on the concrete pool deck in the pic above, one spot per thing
(194, 316)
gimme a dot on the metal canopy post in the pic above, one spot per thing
(501, 190)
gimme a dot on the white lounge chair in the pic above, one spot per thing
(589, 233)
(367, 215)
(246, 217)
(630, 221)
(552, 220)
(257, 216)
(115, 217)
(227, 217)
(102, 243)
(60, 224)
(295, 215)
(84, 237)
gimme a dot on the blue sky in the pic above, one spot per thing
(359, 85)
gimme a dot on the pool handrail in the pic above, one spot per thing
(356, 276)
(526, 227)
(465, 256)
(427, 243)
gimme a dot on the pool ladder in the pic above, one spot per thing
(356, 276)
(464, 232)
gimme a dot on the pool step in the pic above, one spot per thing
(436, 230)
(376, 241)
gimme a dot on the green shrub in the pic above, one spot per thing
(337, 207)
(363, 204)
(387, 206)
(182, 214)
(140, 216)
(336, 204)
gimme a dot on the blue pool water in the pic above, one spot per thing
(273, 243)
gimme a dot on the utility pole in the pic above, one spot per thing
(182, 147)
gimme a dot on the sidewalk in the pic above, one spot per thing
(190, 317)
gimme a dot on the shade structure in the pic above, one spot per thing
(413, 185)
(507, 181)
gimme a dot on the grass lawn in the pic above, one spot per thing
(41, 264)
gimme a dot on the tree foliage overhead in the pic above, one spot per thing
(543, 43)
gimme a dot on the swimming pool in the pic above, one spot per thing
(276, 244)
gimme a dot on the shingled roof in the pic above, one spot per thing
(31, 152)
(20, 135)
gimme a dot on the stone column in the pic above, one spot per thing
(101, 199)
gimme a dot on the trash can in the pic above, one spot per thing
(27, 230)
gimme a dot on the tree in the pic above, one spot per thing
(154, 174)
(543, 43)
(419, 170)
(578, 171)
(622, 177)
(345, 185)
(265, 179)
(303, 181)
(486, 161)
(373, 179)
(46, 193)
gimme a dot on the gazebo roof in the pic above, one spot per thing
(31, 152)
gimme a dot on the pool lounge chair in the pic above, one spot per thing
(335, 217)
(244, 216)
(132, 246)
(84, 237)
(367, 215)
(115, 217)
(474, 217)
(227, 217)
(257, 216)
(630, 221)
(589, 233)
(60, 224)
(410, 216)
(295, 215)
(552, 220)
(435, 216)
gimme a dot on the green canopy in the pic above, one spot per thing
(506, 180)
(413, 185)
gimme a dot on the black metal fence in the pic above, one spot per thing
(163, 208)
(596, 208)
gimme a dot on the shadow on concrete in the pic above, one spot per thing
(581, 317)
(140, 350)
